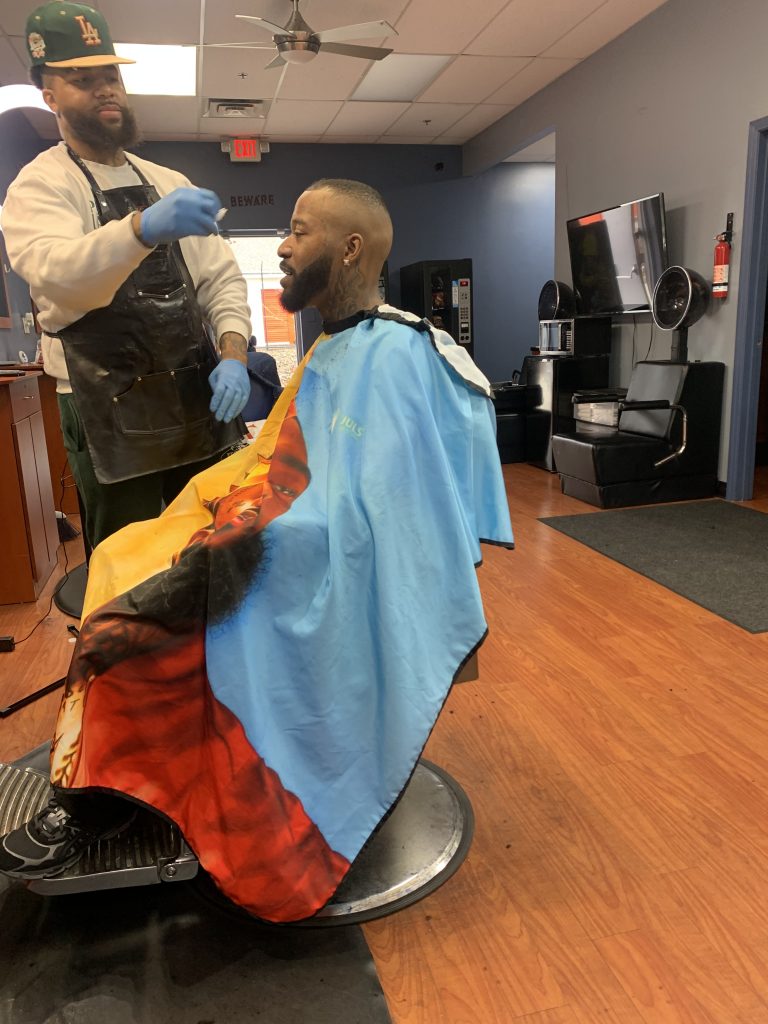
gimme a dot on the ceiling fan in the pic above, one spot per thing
(298, 43)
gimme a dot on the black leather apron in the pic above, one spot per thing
(139, 367)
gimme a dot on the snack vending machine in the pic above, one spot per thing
(441, 291)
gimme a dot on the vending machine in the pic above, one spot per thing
(441, 291)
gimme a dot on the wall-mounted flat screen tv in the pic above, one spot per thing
(617, 256)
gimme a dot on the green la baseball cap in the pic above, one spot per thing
(64, 35)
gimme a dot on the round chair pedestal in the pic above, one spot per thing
(419, 846)
(70, 594)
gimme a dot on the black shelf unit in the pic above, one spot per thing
(556, 378)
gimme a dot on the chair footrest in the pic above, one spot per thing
(150, 851)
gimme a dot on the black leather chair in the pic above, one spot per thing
(666, 444)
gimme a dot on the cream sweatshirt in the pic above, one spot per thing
(73, 265)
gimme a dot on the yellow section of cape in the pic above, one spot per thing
(143, 549)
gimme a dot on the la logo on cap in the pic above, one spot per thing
(90, 34)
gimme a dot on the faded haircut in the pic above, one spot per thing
(358, 190)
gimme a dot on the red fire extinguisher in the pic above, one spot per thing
(722, 261)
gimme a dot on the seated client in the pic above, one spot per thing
(264, 662)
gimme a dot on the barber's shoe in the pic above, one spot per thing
(52, 841)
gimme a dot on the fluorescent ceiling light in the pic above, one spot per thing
(400, 76)
(14, 97)
(159, 70)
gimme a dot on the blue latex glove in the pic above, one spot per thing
(183, 212)
(231, 388)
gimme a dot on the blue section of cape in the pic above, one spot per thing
(344, 650)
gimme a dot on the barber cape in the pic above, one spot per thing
(264, 662)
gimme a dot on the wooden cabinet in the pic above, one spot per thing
(28, 531)
(64, 490)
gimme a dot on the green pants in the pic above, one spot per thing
(110, 507)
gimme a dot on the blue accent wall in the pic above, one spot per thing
(502, 219)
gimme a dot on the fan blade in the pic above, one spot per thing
(237, 46)
(276, 63)
(367, 30)
(268, 26)
(366, 52)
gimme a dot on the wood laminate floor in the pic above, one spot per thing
(614, 749)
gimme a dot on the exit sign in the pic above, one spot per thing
(244, 150)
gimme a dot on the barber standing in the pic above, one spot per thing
(125, 265)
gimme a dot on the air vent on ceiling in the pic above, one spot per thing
(236, 108)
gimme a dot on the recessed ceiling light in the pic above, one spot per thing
(400, 76)
(159, 70)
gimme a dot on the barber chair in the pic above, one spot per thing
(421, 842)
(665, 446)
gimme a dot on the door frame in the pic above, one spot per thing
(750, 318)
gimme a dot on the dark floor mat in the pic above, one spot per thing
(714, 553)
(158, 955)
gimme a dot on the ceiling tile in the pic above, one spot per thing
(402, 76)
(527, 27)
(229, 127)
(13, 71)
(327, 77)
(147, 21)
(607, 22)
(289, 137)
(223, 69)
(441, 116)
(475, 121)
(323, 14)
(472, 79)
(174, 113)
(299, 116)
(359, 117)
(221, 25)
(540, 72)
(349, 140)
(171, 136)
(447, 28)
(406, 140)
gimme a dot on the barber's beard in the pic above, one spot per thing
(101, 136)
(304, 286)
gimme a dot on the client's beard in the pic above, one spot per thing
(302, 287)
(104, 138)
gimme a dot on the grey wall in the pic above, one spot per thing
(18, 145)
(665, 107)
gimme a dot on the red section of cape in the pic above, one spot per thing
(152, 729)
